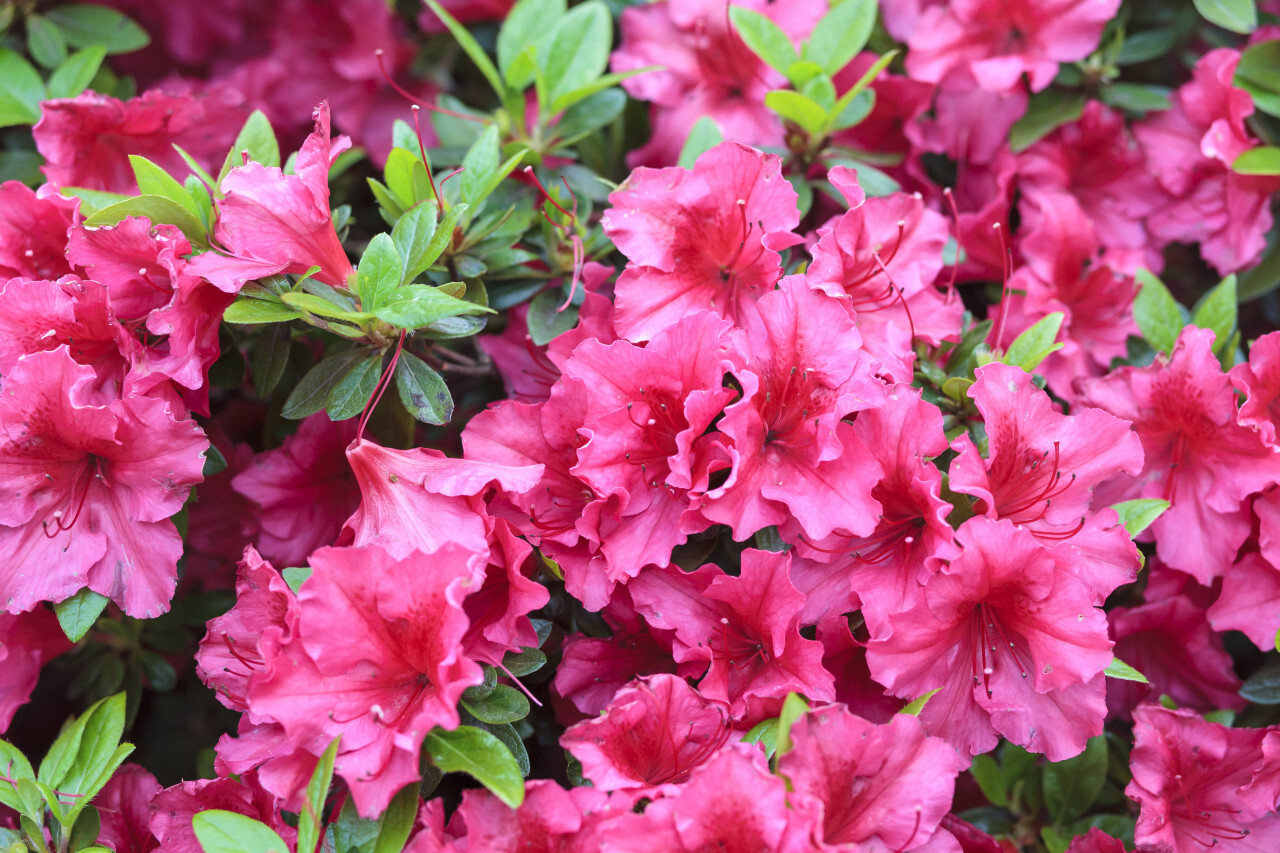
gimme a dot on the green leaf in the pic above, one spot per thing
(379, 274)
(313, 805)
(310, 395)
(14, 765)
(703, 136)
(841, 35)
(1036, 343)
(545, 321)
(479, 754)
(320, 306)
(86, 25)
(915, 706)
(1263, 687)
(764, 733)
(270, 357)
(418, 305)
(296, 577)
(479, 166)
(45, 42)
(1156, 313)
(439, 241)
(247, 312)
(1217, 311)
(397, 821)
(256, 137)
(1136, 97)
(1071, 786)
(986, 771)
(1238, 16)
(156, 208)
(577, 50)
(1145, 46)
(1046, 111)
(155, 181)
(472, 48)
(423, 392)
(354, 389)
(21, 90)
(85, 832)
(73, 76)
(527, 25)
(477, 692)
(77, 614)
(1263, 160)
(221, 831)
(863, 82)
(520, 664)
(765, 38)
(504, 705)
(793, 708)
(795, 107)
(412, 235)
(854, 112)
(1137, 515)
(1121, 670)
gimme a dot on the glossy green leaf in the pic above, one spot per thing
(1263, 687)
(221, 831)
(321, 307)
(418, 305)
(271, 357)
(479, 166)
(295, 577)
(45, 42)
(1263, 160)
(793, 708)
(481, 755)
(21, 90)
(1046, 111)
(841, 35)
(989, 775)
(77, 614)
(353, 390)
(522, 663)
(1238, 16)
(397, 821)
(253, 311)
(764, 733)
(765, 38)
(310, 395)
(74, 76)
(1157, 313)
(862, 84)
(703, 136)
(86, 25)
(255, 137)
(156, 208)
(504, 705)
(379, 274)
(1146, 46)
(1036, 343)
(14, 765)
(423, 392)
(795, 107)
(527, 25)
(471, 47)
(1217, 312)
(545, 319)
(309, 821)
(412, 235)
(1121, 670)
(1072, 786)
(153, 180)
(1136, 97)
(1137, 515)
(577, 50)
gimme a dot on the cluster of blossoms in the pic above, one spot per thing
(817, 558)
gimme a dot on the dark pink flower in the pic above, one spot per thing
(706, 239)
(33, 231)
(375, 658)
(86, 140)
(498, 611)
(1258, 379)
(36, 316)
(1000, 40)
(653, 733)
(745, 628)
(1190, 149)
(270, 222)
(550, 820)
(845, 657)
(1197, 456)
(27, 642)
(900, 101)
(874, 788)
(1096, 841)
(1250, 597)
(173, 808)
(124, 809)
(90, 483)
(1013, 641)
(794, 456)
(303, 490)
(1188, 775)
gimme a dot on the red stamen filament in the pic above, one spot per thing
(985, 620)
(1004, 286)
(383, 382)
(58, 524)
(955, 214)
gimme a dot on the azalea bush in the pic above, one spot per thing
(637, 427)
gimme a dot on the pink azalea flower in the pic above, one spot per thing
(745, 628)
(124, 809)
(1096, 841)
(279, 765)
(706, 239)
(731, 804)
(33, 231)
(246, 638)
(1250, 597)
(845, 657)
(1168, 640)
(499, 610)
(883, 257)
(219, 524)
(1258, 379)
(303, 490)
(27, 642)
(886, 570)
(1012, 640)
(270, 222)
(550, 820)
(653, 734)
(1042, 468)
(873, 788)
(794, 456)
(376, 659)
(900, 101)
(39, 316)
(1000, 41)
(420, 499)
(901, 17)
(704, 69)
(1190, 149)
(1197, 456)
(173, 808)
(1188, 775)
(86, 140)
(91, 484)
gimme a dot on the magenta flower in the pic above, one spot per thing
(1258, 379)
(91, 483)
(550, 820)
(124, 808)
(271, 223)
(1011, 639)
(1188, 778)
(33, 231)
(173, 808)
(27, 642)
(706, 239)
